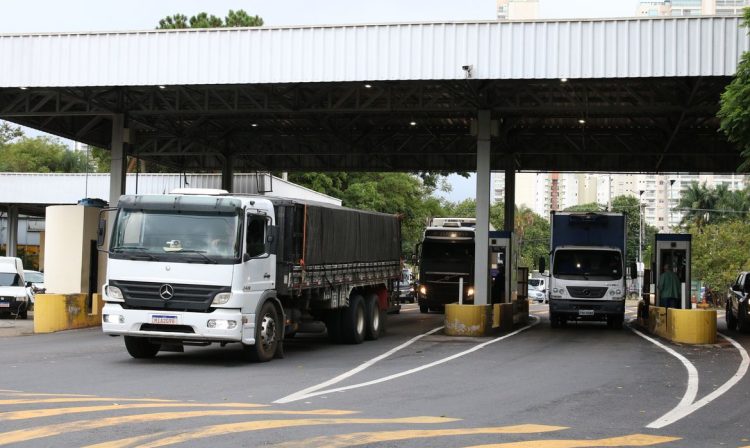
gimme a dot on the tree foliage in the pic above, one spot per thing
(40, 155)
(719, 251)
(701, 205)
(735, 104)
(239, 18)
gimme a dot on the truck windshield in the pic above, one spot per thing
(188, 237)
(536, 283)
(587, 265)
(447, 257)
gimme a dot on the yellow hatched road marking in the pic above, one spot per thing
(233, 428)
(51, 412)
(27, 394)
(624, 441)
(363, 438)
(23, 435)
(81, 400)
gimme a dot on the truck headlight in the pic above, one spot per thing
(114, 294)
(113, 319)
(423, 290)
(221, 324)
(221, 298)
(470, 292)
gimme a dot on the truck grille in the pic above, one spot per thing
(585, 292)
(146, 296)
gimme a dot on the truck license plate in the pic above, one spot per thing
(585, 312)
(164, 319)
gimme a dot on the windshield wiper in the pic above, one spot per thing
(143, 250)
(202, 253)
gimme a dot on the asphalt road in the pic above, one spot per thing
(580, 386)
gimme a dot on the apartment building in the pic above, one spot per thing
(517, 9)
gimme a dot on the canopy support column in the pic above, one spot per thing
(118, 167)
(481, 237)
(11, 249)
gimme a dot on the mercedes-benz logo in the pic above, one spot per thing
(166, 292)
(586, 292)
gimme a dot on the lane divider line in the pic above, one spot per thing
(303, 393)
(690, 392)
(299, 396)
(688, 403)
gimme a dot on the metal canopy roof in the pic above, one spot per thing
(641, 95)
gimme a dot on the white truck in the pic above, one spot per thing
(210, 267)
(587, 275)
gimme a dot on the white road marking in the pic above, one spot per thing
(688, 404)
(315, 390)
(303, 393)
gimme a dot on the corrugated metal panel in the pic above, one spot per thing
(65, 188)
(699, 46)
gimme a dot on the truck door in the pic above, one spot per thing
(258, 263)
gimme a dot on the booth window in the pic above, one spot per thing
(256, 235)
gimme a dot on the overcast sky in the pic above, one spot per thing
(24, 16)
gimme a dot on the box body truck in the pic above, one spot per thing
(195, 269)
(587, 267)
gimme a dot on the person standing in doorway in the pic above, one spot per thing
(669, 288)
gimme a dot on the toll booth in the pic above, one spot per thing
(673, 249)
(503, 263)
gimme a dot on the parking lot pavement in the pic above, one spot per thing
(10, 326)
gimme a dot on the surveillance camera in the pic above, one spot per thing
(466, 67)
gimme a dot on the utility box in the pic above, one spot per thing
(72, 263)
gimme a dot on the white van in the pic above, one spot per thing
(14, 296)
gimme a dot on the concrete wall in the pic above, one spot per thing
(69, 231)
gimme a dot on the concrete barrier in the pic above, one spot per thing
(468, 320)
(57, 312)
(685, 326)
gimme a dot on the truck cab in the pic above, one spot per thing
(587, 272)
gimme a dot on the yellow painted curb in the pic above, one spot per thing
(502, 316)
(684, 326)
(692, 326)
(56, 312)
(468, 320)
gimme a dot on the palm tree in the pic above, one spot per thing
(697, 204)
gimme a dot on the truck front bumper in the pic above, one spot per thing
(587, 309)
(182, 326)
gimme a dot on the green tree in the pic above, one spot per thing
(719, 251)
(239, 18)
(8, 133)
(734, 104)
(40, 155)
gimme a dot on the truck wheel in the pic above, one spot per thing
(615, 321)
(554, 321)
(424, 309)
(731, 320)
(141, 347)
(374, 318)
(266, 335)
(353, 325)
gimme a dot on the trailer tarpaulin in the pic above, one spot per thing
(342, 235)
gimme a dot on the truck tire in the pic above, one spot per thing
(554, 320)
(374, 318)
(731, 320)
(141, 348)
(353, 321)
(266, 335)
(615, 321)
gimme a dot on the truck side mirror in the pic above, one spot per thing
(633, 271)
(542, 265)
